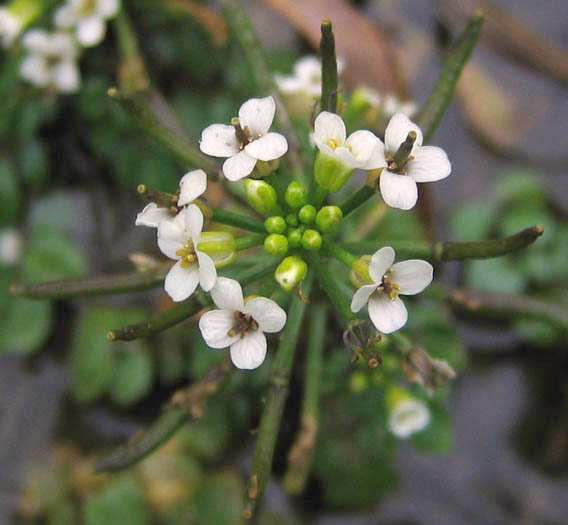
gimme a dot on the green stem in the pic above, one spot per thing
(191, 404)
(328, 68)
(331, 249)
(274, 407)
(328, 283)
(244, 34)
(103, 285)
(237, 220)
(248, 242)
(358, 198)
(453, 66)
(318, 195)
(301, 454)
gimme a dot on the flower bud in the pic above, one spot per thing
(307, 214)
(296, 195)
(263, 168)
(262, 197)
(359, 274)
(276, 244)
(407, 414)
(330, 173)
(290, 272)
(275, 224)
(311, 240)
(292, 219)
(295, 237)
(329, 218)
(220, 246)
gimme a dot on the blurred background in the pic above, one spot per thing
(69, 167)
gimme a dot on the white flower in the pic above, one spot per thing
(239, 324)
(247, 141)
(407, 417)
(392, 105)
(191, 186)
(387, 104)
(88, 17)
(178, 239)
(386, 310)
(362, 149)
(51, 61)
(10, 246)
(425, 164)
(10, 27)
(306, 78)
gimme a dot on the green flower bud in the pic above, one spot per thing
(292, 219)
(307, 214)
(359, 274)
(311, 240)
(295, 237)
(262, 197)
(396, 395)
(329, 218)
(291, 271)
(275, 224)
(330, 173)
(296, 195)
(220, 246)
(263, 168)
(276, 244)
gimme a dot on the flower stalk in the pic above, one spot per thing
(238, 221)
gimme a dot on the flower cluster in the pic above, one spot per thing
(51, 59)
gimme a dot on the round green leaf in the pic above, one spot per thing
(133, 373)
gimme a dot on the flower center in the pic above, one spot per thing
(87, 7)
(393, 167)
(333, 143)
(244, 135)
(187, 254)
(388, 287)
(243, 323)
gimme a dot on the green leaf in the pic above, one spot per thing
(437, 437)
(495, 275)
(539, 333)
(219, 499)
(121, 503)
(50, 256)
(472, 222)
(9, 193)
(32, 163)
(521, 188)
(25, 325)
(133, 374)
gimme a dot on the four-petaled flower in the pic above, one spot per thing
(408, 417)
(191, 186)
(247, 140)
(88, 17)
(51, 61)
(386, 310)
(178, 239)
(425, 164)
(240, 324)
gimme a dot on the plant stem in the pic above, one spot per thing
(250, 241)
(300, 456)
(328, 68)
(318, 195)
(103, 285)
(276, 398)
(237, 220)
(331, 249)
(184, 404)
(453, 66)
(358, 198)
(244, 33)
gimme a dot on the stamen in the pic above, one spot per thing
(333, 143)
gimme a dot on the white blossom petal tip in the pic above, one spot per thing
(408, 417)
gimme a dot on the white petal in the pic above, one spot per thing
(108, 8)
(308, 68)
(65, 17)
(66, 77)
(193, 222)
(408, 417)
(412, 276)
(10, 27)
(91, 30)
(288, 85)
(430, 163)
(63, 45)
(271, 146)
(344, 156)
(249, 352)
(398, 191)
(397, 130)
(34, 69)
(36, 40)
(387, 315)
(257, 114)
(171, 238)
(381, 261)
(361, 296)
(364, 145)
(269, 316)
(227, 294)
(207, 271)
(239, 166)
(191, 186)
(181, 282)
(219, 140)
(151, 216)
(329, 126)
(215, 326)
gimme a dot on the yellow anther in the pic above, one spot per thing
(333, 143)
